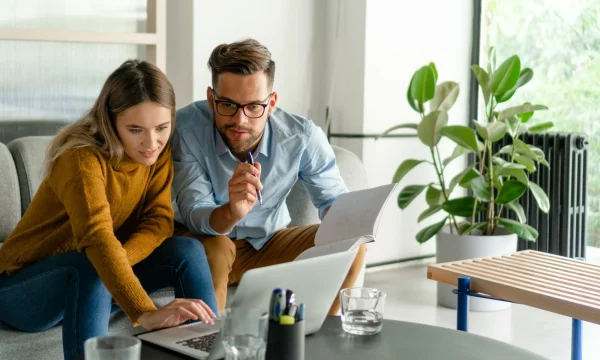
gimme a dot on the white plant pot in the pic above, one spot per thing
(453, 247)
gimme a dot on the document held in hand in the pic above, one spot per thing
(352, 220)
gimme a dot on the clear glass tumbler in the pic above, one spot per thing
(112, 348)
(362, 310)
(244, 333)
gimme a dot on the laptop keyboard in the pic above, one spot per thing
(202, 343)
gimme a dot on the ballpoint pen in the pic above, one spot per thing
(300, 313)
(290, 299)
(258, 193)
(277, 305)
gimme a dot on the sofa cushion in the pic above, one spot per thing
(14, 129)
(302, 211)
(29, 154)
(10, 200)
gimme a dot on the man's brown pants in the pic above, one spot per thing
(228, 260)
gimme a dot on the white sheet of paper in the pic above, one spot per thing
(336, 247)
(353, 215)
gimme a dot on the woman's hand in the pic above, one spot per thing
(175, 313)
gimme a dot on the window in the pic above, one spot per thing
(560, 41)
(56, 54)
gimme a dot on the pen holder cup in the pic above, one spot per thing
(285, 341)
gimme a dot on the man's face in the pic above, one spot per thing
(241, 131)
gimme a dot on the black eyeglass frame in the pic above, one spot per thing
(242, 106)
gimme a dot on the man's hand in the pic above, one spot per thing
(175, 313)
(242, 190)
(242, 198)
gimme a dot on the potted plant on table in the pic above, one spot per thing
(497, 178)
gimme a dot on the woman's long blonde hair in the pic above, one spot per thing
(133, 83)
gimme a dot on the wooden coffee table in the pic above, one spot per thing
(569, 287)
(398, 339)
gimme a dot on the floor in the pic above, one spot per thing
(412, 297)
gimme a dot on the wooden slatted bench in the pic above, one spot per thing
(554, 283)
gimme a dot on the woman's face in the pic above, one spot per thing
(144, 130)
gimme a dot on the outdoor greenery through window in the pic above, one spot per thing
(560, 41)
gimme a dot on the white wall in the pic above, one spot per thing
(401, 36)
(292, 30)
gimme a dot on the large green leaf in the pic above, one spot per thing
(408, 194)
(512, 125)
(429, 128)
(445, 96)
(514, 166)
(484, 82)
(404, 168)
(434, 196)
(526, 161)
(539, 153)
(526, 116)
(456, 153)
(465, 181)
(516, 207)
(523, 149)
(496, 130)
(461, 206)
(468, 173)
(462, 135)
(507, 75)
(540, 196)
(524, 77)
(397, 127)
(518, 174)
(429, 212)
(411, 101)
(481, 130)
(430, 231)
(422, 87)
(541, 127)
(511, 191)
(481, 188)
(517, 110)
(435, 72)
(493, 131)
(523, 231)
(466, 227)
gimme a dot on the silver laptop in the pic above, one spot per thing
(315, 281)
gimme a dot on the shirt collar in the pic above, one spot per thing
(263, 145)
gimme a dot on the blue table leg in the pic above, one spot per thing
(462, 310)
(576, 340)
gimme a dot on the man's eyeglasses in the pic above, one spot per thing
(230, 108)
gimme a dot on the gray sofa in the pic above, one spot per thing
(20, 169)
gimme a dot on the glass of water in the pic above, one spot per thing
(244, 333)
(362, 310)
(112, 348)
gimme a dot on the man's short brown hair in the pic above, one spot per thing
(244, 57)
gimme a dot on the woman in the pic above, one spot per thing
(98, 228)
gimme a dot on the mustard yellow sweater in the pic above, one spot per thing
(116, 213)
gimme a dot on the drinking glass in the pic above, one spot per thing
(362, 310)
(244, 333)
(112, 348)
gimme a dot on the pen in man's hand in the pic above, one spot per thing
(258, 193)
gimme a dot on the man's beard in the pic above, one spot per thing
(238, 146)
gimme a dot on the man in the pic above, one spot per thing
(215, 190)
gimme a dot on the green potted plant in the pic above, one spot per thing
(496, 179)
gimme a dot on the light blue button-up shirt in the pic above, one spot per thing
(291, 148)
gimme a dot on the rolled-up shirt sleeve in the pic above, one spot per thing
(319, 171)
(192, 191)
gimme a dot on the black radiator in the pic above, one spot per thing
(563, 230)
